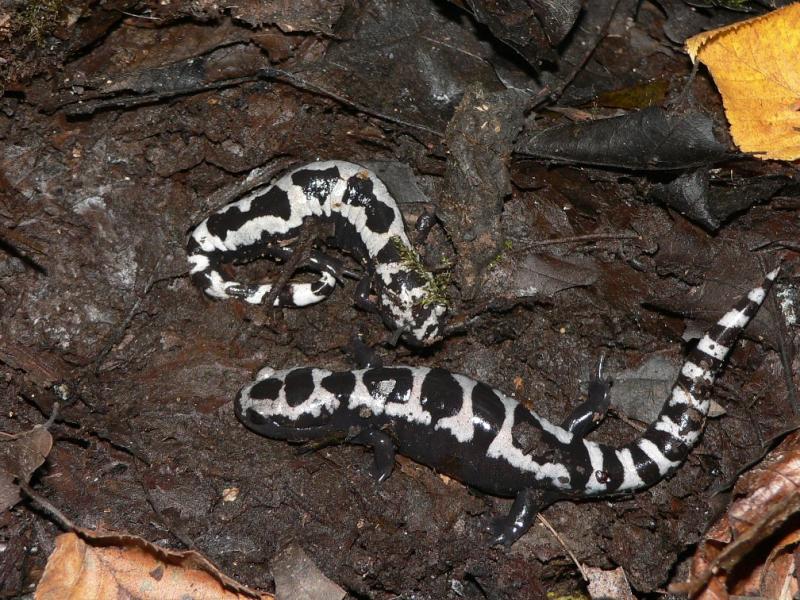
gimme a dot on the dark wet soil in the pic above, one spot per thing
(126, 122)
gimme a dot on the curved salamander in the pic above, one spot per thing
(479, 435)
(367, 224)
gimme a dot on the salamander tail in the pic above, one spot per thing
(670, 438)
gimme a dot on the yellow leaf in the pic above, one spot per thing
(756, 66)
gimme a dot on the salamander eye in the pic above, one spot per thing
(602, 476)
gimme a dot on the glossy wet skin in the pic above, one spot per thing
(288, 406)
(367, 224)
(480, 436)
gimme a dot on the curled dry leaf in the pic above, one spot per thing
(91, 566)
(755, 67)
(749, 550)
(20, 456)
(651, 139)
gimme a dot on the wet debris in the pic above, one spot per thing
(652, 139)
(711, 200)
(532, 29)
(477, 181)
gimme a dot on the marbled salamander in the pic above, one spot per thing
(480, 436)
(367, 224)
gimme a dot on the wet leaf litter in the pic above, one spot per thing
(580, 216)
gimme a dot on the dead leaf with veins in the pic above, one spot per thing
(95, 566)
(756, 68)
(750, 550)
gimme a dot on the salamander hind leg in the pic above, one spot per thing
(383, 449)
(363, 355)
(320, 260)
(423, 226)
(507, 530)
(290, 294)
(588, 415)
(316, 260)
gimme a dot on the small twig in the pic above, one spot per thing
(179, 535)
(300, 253)
(135, 16)
(259, 177)
(590, 237)
(561, 541)
(53, 416)
(687, 86)
(12, 250)
(636, 426)
(295, 81)
(60, 518)
(89, 107)
(777, 244)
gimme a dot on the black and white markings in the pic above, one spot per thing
(368, 225)
(668, 440)
(449, 410)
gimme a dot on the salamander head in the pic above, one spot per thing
(412, 300)
(406, 308)
(287, 405)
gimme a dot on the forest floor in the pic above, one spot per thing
(125, 123)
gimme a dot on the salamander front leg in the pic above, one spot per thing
(362, 295)
(507, 530)
(589, 414)
(423, 226)
(363, 355)
(383, 449)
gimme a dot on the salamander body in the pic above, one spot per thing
(484, 438)
(367, 224)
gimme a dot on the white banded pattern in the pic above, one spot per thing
(678, 427)
(271, 216)
(319, 400)
(440, 418)
(470, 413)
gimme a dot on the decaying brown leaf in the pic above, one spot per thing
(88, 566)
(749, 551)
(20, 456)
(755, 67)
(536, 275)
